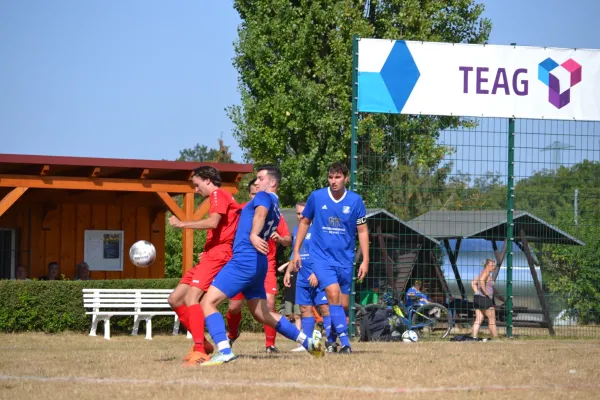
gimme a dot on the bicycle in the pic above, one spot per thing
(425, 320)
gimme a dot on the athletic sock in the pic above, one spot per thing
(216, 328)
(338, 321)
(184, 316)
(196, 321)
(270, 334)
(233, 324)
(308, 325)
(287, 329)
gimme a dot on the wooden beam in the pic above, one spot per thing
(172, 205)
(499, 258)
(114, 184)
(45, 170)
(202, 209)
(188, 235)
(536, 282)
(453, 256)
(10, 198)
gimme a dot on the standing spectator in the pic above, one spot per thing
(21, 273)
(483, 299)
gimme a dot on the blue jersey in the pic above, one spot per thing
(334, 225)
(306, 269)
(242, 244)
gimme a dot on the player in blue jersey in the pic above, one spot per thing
(246, 271)
(308, 293)
(336, 215)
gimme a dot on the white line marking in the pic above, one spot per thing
(293, 385)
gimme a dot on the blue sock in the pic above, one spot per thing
(338, 322)
(328, 330)
(308, 325)
(216, 327)
(287, 329)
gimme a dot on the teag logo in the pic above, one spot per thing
(559, 79)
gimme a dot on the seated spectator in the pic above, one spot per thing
(21, 273)
(53, 272)
(415, 296)
(83, 272)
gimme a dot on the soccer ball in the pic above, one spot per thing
(410, 336)
(142, 253)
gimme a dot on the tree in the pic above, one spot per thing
(569, 271)
(294, 59)
(202, 153)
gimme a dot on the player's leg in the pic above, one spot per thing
(335, 299)
(259, 310)
(308, 319)
(304, 300)
(196, 321)
(234, 317)
(320, 300)
(490, 313)
(479, 315)
(177, 302)
(230, 281)
(271, 291)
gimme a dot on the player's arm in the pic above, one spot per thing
(258, 222)
(211, 222)
(303, 226)
(282, 235)
(363, 241)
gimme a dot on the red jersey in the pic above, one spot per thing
(283, 230)
(222, 202)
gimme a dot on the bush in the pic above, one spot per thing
(56, 306)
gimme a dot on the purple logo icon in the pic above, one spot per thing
(559, 78)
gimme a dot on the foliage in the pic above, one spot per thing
(202, 153)
(569, 271)
(56, 306)
(294, 59)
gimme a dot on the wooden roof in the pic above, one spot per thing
(114, 168)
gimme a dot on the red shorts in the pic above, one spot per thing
(202, 275)
(270, 284)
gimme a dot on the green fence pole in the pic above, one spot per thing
(353, 161)
(510, 224)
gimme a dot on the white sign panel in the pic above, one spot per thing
(397, 76)
(103, 250)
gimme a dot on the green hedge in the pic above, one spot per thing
(56, 306)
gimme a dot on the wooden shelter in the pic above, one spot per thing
(48, 202)
(492, 225)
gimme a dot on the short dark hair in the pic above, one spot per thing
(51, 263)
(338, 168)
(272, 170)
(251, 183)
(301, 203)
(206, 172)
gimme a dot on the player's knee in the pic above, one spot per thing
(306, 311)
(193, 296)
(324, 310)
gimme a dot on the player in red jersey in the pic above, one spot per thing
(221, 224)
(283, 237)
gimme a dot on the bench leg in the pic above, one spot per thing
(107, 328)
(176, 326)
(136, 325)
(94, 325)
(149, 328)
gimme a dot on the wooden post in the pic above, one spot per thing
(536, 281)
(453, 256)
(187, 261)
(10, 198)
(499, 258)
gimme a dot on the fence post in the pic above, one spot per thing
(510, 224)
(353, 163)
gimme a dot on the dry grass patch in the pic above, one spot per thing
(74, 366)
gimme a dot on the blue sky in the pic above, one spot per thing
(145, 79)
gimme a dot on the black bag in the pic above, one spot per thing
(380, 325)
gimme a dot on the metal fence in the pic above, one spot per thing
(444, 194)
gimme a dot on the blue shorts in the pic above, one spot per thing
(307, 295)
(243, 274)
(329, 275)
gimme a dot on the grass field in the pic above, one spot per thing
(75, 366)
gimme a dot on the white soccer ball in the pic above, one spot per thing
(409, 336)
(142, 253)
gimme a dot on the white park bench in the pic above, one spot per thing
(142, 304)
